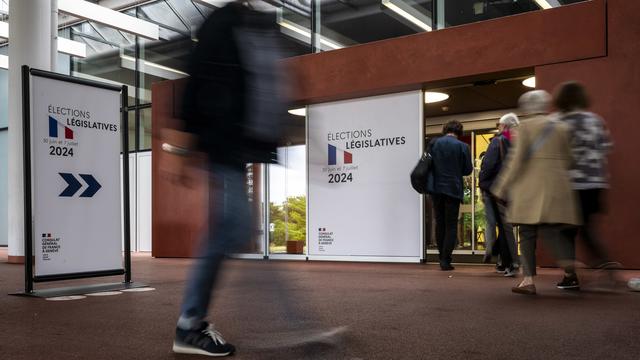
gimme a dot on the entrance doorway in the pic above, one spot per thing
(471, 219)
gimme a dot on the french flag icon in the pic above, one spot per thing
(53, 129)
(333, 156)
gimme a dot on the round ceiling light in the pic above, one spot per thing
(530, 82)
(298, 112)
(431, 97)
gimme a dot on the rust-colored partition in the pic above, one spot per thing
(178, 211)
(613, 82)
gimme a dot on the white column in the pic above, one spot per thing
(30, 44)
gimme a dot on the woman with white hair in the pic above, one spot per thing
(535, 181)
(495, 213)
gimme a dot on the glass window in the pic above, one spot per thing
(255, 192)
(346, 23)
(4, 94)
(288, 202)
(460, 12)
(160, 12)
(145, 129)
(131, 131)
(110, 57)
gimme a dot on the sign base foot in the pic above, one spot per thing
(80, 290)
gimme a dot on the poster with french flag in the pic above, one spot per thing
(334, 154)
(361, 206)
(55, 125)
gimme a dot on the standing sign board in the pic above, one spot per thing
(361, 203)
(76, 177)
(73, 187)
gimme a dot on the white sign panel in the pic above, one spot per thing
(76, 177)
(361, 203)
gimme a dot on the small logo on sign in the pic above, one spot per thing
(51, 245)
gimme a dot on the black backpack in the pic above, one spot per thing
(261, 50)
(420, 174)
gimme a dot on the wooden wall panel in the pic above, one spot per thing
(178, 212)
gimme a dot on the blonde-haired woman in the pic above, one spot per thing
(535, 181)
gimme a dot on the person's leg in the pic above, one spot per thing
(438, 209)
(452, 210)
(228, 228)
(528, 239)
(490, 229)
(509, 236)
(557, 237)
(591, 201)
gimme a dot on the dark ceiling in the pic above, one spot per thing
(470, 98)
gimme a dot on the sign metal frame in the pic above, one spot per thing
(29, 277)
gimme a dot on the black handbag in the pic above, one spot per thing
(420, 174)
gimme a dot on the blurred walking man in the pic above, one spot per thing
(233, 108)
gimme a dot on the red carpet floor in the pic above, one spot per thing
(392, 312)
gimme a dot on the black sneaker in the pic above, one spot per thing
(500, 269)
(511, 272)
(447, 267)
(202, 341)
(569, 282)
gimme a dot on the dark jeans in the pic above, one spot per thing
(446, 209)
(506, 242)
(591, 204)
(229, 230)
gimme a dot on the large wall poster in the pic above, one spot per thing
(361, 203)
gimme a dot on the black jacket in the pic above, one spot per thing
(492, 162)
(214, 102)
(451, 161)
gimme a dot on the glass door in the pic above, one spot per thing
(481, 143)
(471, 218)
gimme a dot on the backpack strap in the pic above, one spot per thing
(540, 140)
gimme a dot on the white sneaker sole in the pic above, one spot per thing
(185, 349)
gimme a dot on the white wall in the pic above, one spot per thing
(140, 201)
(144, 202)
(4, 215)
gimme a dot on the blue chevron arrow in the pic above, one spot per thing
(73, 185)
(94, 185)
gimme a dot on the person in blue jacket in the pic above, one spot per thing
(495, 212)
(451, 161)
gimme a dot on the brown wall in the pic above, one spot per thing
(614, 84)
(178, 212)
(596, 42)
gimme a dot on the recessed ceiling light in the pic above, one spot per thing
(530, 82)
(298, 112)
(431, 97)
